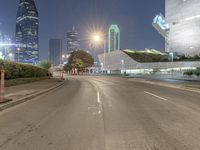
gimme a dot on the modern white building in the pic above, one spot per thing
(120, 62)
(183, 19)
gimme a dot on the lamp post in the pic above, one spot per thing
(10, 56)
(104, 52)
(97, 38)
(122, 62)
(65, 57)
(18, 50)
(172, 55)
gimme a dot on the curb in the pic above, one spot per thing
(165, 85)
(27, 98)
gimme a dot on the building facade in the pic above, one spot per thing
(120, 62)
(73, 43)
(6, 47)
(113, 38)
(27, 38)
(183, 16)
(55, 51)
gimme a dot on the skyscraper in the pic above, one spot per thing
(72, 41)
(55, 51)
(113, 38)
(183, 17)
(27, 24)
(6, 46)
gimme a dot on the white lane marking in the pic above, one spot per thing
(98, 97)
(99, 102)
(155, 96)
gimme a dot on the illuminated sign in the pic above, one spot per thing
(160, 24)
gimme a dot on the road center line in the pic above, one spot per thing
(99, 102)
(155, 96)
(98, 97)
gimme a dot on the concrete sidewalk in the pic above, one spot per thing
(184, 85)
(25, 92)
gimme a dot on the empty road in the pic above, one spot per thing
(104, 113)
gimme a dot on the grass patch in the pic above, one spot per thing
(14, 82)
(147, 56)
(193, 86)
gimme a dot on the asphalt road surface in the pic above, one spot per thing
(104, 113)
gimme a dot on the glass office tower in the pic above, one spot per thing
(55, 51)
(27, 23)
(113, 38)
(183, 16)
(73, 43)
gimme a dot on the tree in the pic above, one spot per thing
(45, 64)
(67, 67)
(79, 60)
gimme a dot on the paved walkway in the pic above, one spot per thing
(20, 91)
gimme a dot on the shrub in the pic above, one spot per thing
(188, 72)
(18, 70)
(45, 64)
(197, 72)
(192, 72)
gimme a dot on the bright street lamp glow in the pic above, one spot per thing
(63, 56)
(10, 55)
(68, 55)
(97, 38)
(172, 54)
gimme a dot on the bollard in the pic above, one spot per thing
(2, 85)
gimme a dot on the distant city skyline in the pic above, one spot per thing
(27, 32)
(133, 17)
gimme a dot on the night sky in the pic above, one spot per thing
(134, 18)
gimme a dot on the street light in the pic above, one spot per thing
(10, 56)
(122, 62)
(65, 57)
(18, 50)
(68, 55)
(172, 55)
(97, 38)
